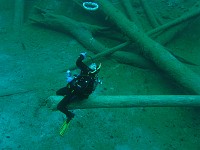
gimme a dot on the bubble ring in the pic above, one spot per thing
(90, 6)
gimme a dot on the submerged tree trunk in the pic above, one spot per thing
(153, 50)
(129, 101)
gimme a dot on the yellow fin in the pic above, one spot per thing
(64, 128)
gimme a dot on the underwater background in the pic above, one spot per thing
(38, 44)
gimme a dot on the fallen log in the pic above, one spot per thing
(153, 50)
(134, 60)
(129, 101)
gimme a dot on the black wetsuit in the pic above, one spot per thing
(78, 89)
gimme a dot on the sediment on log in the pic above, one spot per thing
(153, 50)
(129, 101)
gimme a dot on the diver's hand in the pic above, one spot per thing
(83, 54)
(69, 77)
(68, 73)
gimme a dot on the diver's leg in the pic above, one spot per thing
(63, 91)
(62, 106)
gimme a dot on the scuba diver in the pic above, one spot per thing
(78, 87)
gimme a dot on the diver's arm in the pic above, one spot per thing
(80, 64)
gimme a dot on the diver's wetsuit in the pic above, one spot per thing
(72, 92)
